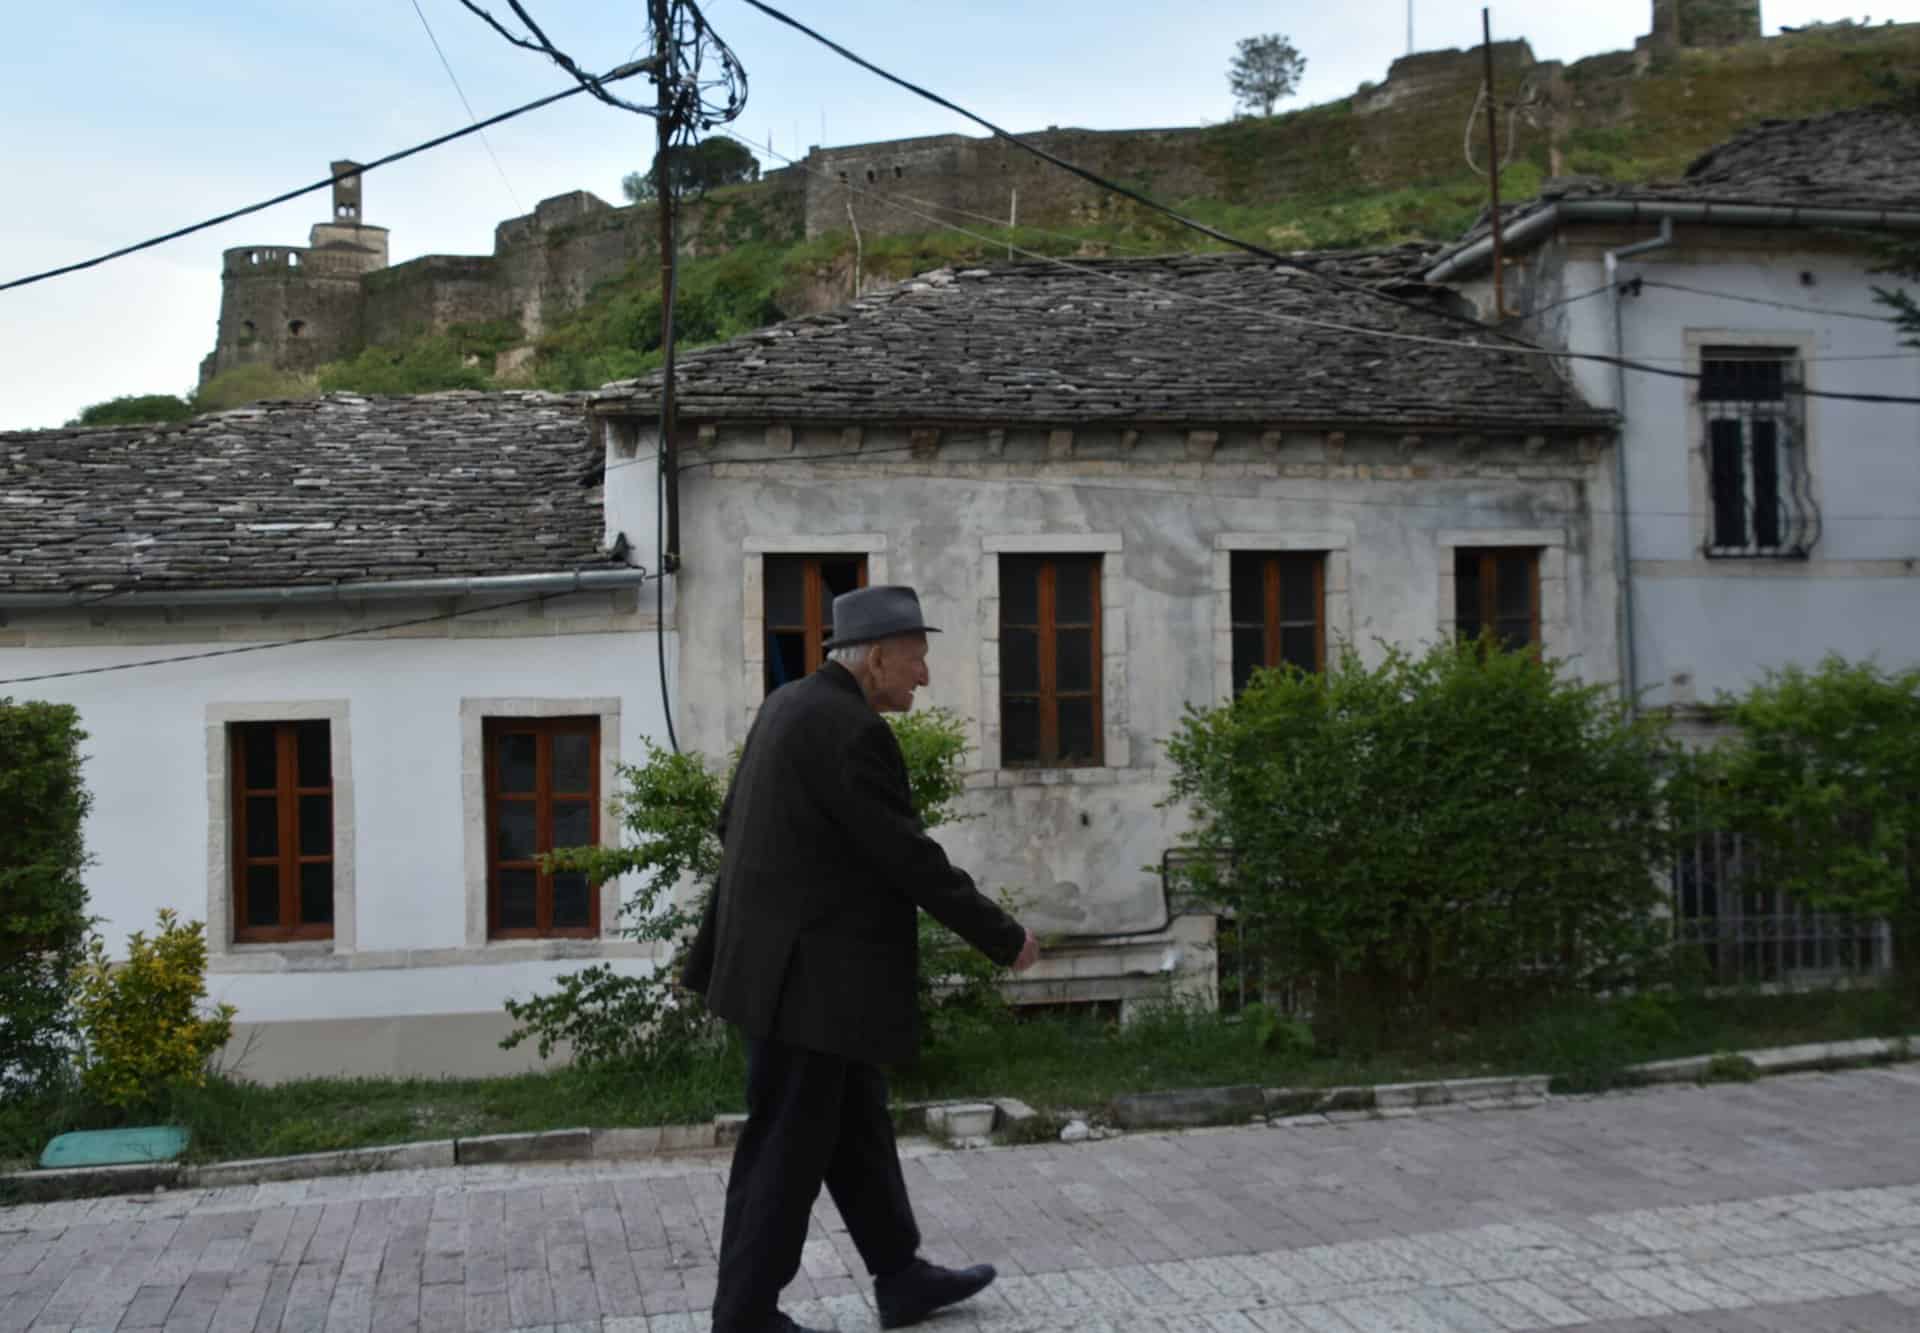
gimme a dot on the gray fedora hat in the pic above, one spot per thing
(867, 614)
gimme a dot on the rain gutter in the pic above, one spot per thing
(579, 580)
(1660, 210)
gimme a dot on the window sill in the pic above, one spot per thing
(1052, 777)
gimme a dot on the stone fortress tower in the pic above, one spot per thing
(296, 308)
(1695, 23)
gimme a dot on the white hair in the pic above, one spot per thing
(852, 657)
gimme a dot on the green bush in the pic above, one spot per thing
(669, 808)
(425, 365)
(143, 1023)
(251, 384)
(1822, 779)
(143, 409)
(43, 900)
(1431, 839)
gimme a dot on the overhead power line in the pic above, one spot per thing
(355, 632)
(625, 71)
(1762, 300)
(1307, 321)
(447, 65)
(1513, 344)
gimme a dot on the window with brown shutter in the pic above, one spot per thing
(799, 593)
(543, 794)
(1498, 588)
(1279, 606)
(1050, 661)
(281, 777)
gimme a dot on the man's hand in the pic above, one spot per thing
(1029, 954)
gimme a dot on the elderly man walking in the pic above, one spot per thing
(810, 945)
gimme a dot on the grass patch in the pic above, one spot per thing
(1051, 1063)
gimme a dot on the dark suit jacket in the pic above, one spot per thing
(811, 935)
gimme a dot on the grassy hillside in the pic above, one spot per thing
(1349, 173)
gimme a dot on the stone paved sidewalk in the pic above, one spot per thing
(1792, 1203)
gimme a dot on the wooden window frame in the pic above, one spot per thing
(1048, 694)
(542, 798)
(1487, 558)
(1272, 624)
(286, 792)
(817, 610)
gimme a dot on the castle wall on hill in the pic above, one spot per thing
(297, 308)
(430, 295)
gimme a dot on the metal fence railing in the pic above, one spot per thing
(1748, 933)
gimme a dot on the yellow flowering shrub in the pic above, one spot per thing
(144, 1023)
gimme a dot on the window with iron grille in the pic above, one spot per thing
(1497, 588)
(799, 610)
(1279, 612)
(1050, 675)
(543, 791)
(1758, 494)
(282, 785)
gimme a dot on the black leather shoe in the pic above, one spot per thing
(919, 1289)
(784, 1324)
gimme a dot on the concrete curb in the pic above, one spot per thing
(1179, 1109)
(1781, 1059)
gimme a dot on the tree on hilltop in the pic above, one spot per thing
(704, 166)
(1264, 70)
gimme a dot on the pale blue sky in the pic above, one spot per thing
(124, 120)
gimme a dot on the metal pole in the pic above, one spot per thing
(1409, 27)
(1013, 219)
(663, 200)
(1493, 162)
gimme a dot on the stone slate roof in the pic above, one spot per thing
(303, 493)
(1181, 341)
(1868, 157)
(1864, 158)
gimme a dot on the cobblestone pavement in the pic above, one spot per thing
(1792, 1203)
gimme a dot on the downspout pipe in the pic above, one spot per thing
(504, 585)
(1622, 533)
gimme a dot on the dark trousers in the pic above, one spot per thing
(812, 1119)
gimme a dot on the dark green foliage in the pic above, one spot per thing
(43, 901)
(1901, 258)
(609, 1018)
(425, 365)
(705, 166)
(1822, 777)
(1430, 840)
(669, 807)
(250, 384)
(959, 987)
(143, 409)
(617, 334)
(1265, 69)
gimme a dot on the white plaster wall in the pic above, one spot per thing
(1704, 626)
(1080, 845)
(147, 766)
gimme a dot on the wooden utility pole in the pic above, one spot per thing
(665, 77)
(1493, 163)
